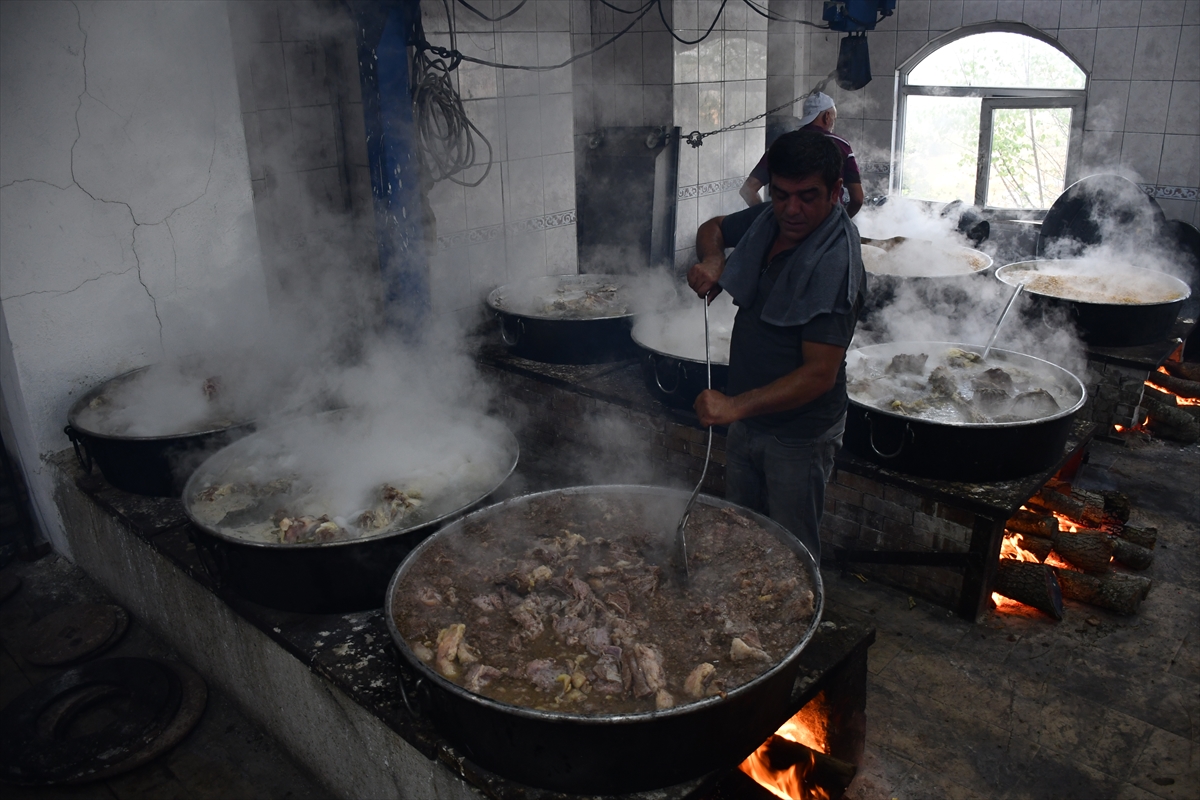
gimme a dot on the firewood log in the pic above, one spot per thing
(1032, 584)
(1039, 546)
(1180, 386)
(1072, 507)
(1120, 593)
(1132, 555)
(1150, 393)
(1184, 369)
(1146, 537)
(1036, 524)
(829, 773)
(1116, 504)
(1091, 551)
(1170, 422)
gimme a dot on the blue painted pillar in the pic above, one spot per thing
(384, 30)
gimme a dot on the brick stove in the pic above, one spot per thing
(1116, 378)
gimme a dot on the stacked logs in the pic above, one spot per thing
(1101, 537)
(1168, 418)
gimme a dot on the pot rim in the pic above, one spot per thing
(667, 354)
(189, 491)
(525, 284)
(1003, 275)
(775, 528)
(78, 406)
(973, 425)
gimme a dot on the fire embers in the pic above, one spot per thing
(1064, 543)
(577, 619)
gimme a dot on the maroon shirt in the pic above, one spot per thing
(850, 172)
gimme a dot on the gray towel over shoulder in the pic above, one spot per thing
(823, 275)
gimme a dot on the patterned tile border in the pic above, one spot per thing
(1171, 192)
(494, 232)
(874, 167)
(704, 189)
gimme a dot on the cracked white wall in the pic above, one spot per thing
(127, 230)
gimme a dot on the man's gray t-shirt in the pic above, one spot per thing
(760, 353)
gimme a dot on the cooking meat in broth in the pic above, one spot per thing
(556, 605)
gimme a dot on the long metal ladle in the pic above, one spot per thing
(999, 322)
(681, 559)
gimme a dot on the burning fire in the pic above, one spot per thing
(789, 783)
(1179, 401)
(1009, 548)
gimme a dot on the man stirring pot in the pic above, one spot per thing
(796, 275)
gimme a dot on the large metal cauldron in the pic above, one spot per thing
(321, 577)
(672, 342)
(608, 754)
(531, 329)
(961, 451)
(935, 272)
(1124, 322)
(156, 465)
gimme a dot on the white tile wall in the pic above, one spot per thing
(503, 229)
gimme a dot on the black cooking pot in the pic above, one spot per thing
(319, 577)
(616, 753)
(532, 331)
(674, 372)
(960, 451)
(150, 465)
(1108, 324)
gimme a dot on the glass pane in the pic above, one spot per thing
(1028, 160)
(998, 59)
(941, 148)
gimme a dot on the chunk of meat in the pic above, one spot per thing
(479, 676)
(488, 602)
(994, 378)
(740, 651)
(619, 602)
(663, 699)
(959, 358)
(1034, 405)
(907, 363)
(544, 674)
(942, 383)
(696, 680)
(607, 674)
(650, 671)
(429, 597)
(448, 640)
(528, 615)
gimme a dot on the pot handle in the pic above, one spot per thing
(658, 378)
(511, 341)
(414, 705)
(81, 451)
(907, 436)
(211, 558)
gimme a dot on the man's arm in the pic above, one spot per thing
(822, 362)
(710, 248)
(856, 198)
(750, 191)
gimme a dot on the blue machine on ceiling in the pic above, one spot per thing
(855, 17)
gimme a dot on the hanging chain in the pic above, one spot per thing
(696, 138)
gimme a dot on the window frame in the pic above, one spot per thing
(991, 97)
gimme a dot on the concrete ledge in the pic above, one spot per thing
(351, 751)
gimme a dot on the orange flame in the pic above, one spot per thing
(789, 784)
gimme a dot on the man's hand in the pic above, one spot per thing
(710, 248)
(715, 408)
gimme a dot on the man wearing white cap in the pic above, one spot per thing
(819, 115)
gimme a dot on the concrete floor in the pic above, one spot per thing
(1016, 706)
(224, 757)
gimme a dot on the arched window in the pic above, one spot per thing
(991, 114)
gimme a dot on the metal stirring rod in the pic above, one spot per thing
(680, 536)
(1000, 321)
